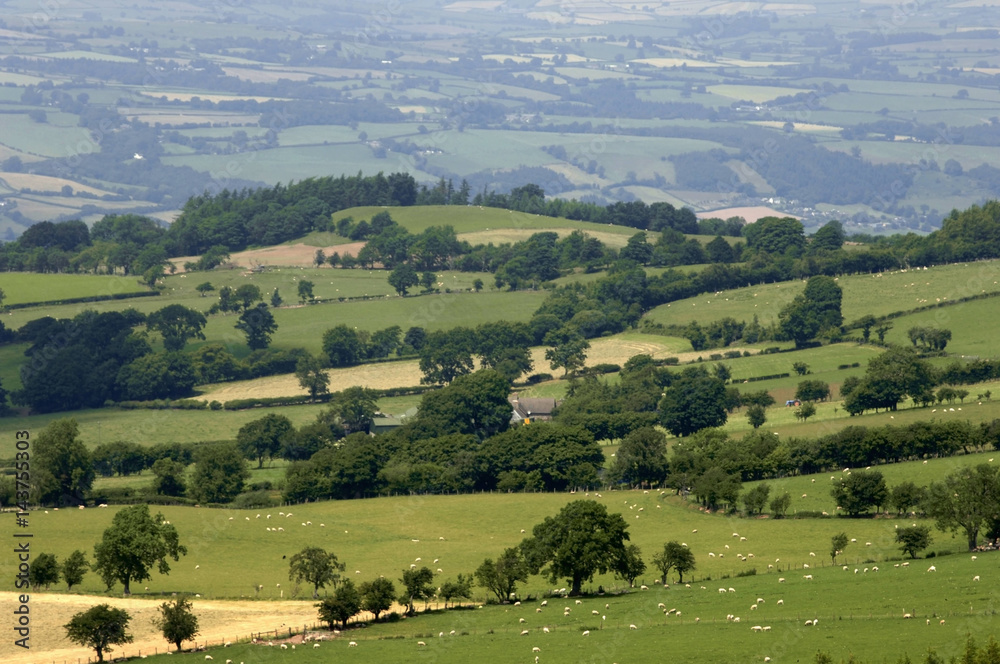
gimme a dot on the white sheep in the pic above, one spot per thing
(781, 602)
(932, 569)
(781, 580)
(421, 643)
(632, 627)
(352, 644)
(586, 632)
(975, 578)
(808, 577)
(524, 632)
(536, 649)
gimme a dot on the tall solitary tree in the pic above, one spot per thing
(403, 277)
(176, 324)
(133, 543)
(177, 622)
(312, 376)
(837, 545)
(579, 542)
(99, 627)
(316, 567)
(258, 325)
(62, 466)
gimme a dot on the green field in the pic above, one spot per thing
(876, 294)
(471, 219)
(229, 551)
(24, 287)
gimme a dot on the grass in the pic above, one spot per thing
(468, 219)
(859, 613)
(23, 287)
(863, 294)
(150, 427)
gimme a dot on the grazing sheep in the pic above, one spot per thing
(932, 569)
(521, 620)
(753, 607)
(767, 628)
(421, 643)
(536, 649)
(941, 623)
(809, 623)
(975, 578)
(907, 616)
(808, 577)
(722, 590)
(284, 647)
(973, 557)
(545, 629)
(732, 590)
(781, 580)
(586, 632)
(538, 610)
(524, 632)
(208, 657)
(756, 628)
(643, 587)
(545, 603)
(579, 602)
(781, 602)
(352, 644)
(315, 645)
(595, 612)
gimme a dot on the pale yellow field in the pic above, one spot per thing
(264, 75)
(217, 621)
(799, 126)
(20, 181)
(614, 350)
(197, 118)
(755, 93)
(469, 5)
(750, 214)
(616, 240)
(188, 96)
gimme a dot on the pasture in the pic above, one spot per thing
(471, 219)
(26, 287)
(231, 552)
(876, 294)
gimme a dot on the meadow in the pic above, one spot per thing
(230, 552)
(876, 294)
(25, 287)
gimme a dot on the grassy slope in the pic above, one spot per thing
(21, 287)
(858, 613)
(863, 294)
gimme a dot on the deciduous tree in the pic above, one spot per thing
(913, 539)
(501, 576)
(99, 627)
(316, 567)
(342, 606)
(177, 622)
(579, 542)
(675, 556)
(377, 596)
(133, 543)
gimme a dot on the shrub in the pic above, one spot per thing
(253, 499)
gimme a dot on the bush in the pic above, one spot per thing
(605, 368)
(215, 405)
(747, 572)
(253, 499)
(534, 379)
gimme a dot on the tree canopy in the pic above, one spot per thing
(579, 542)
(133, 543)
(99, 627)
(317, 567)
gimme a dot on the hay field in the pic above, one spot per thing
(217, 621)
(45, 183)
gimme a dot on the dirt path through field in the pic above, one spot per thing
(217, 621)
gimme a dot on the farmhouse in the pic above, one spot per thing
(530, 409)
